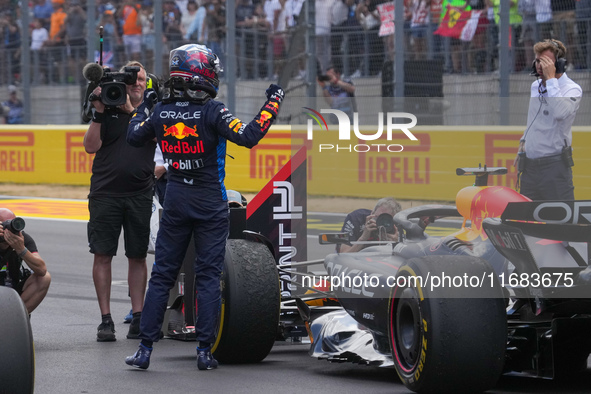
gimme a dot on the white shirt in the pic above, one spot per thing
(281, 22)
(543, 11)
(292, 7)
(198, 27)
(38, 37)
(552, 110)
(340, 11)
(323, 16)
(270, 7)
(158, 158)
(187, 20)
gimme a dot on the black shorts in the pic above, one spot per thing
(18, 284)
(25, 273)
(109, 214)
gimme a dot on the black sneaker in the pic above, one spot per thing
(106, 332)
(205, 360)
(134, 328)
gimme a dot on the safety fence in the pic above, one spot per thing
(461, 60)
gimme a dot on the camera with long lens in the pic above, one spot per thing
(15, 226)
(113, 86)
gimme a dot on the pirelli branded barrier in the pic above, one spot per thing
(44, 154)
(401, 167)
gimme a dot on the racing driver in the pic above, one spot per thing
(192, 130)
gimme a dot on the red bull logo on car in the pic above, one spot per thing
(476, 203)
(180, 131)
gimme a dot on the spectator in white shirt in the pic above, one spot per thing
(197, 31)
(188, 16)
(39, 35)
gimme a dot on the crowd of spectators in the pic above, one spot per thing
(351, 34)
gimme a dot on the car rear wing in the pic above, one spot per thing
(558, 220)
(566, 221)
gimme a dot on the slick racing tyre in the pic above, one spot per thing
(17, 356)
(447, 339)
(249, 314)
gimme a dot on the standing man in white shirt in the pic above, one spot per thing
(160, 172)
(544, 160)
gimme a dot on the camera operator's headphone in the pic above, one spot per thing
(560, 63)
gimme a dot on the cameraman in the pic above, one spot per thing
(121, 189)
(361, 225)
(32, 283)
(196, 205)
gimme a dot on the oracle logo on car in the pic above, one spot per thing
(575, 212)
(345, 130)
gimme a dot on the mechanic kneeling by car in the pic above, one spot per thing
(17, 247)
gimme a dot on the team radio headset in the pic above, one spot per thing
(560, 65)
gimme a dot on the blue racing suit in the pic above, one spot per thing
(192, 136)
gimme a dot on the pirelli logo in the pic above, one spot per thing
(267, 158)
(77, 160)
(17, 151)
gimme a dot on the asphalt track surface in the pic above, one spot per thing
(69, 360)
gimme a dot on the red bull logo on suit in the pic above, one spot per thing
(264, 118)
(180, 131)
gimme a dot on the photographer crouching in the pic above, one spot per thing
(121, 187)
(362, 225)
(17, 247)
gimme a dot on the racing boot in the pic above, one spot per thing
(134, 327)
(141, 358)
(205, 360)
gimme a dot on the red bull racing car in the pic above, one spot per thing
(507, 293)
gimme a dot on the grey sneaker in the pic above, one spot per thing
(106, 332)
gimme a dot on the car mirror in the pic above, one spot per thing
(334, 238)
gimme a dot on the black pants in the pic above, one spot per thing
(547, 179)
(187, 218)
